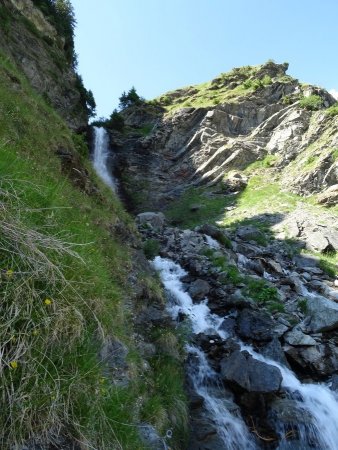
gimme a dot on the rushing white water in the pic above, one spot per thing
(230, 427)
(202, 320)
(101, 156)
(316, 400)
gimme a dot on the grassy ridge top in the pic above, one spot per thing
(229, 86)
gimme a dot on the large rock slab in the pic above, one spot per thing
(199, 289)
(323, 313)
(296, 337)
(320, 360)
(151, 219)
(243, 370)
(329, 197)
(256, 325)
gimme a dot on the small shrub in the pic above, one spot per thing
(80, 144)
(311, 103)
(311, 160)
(266, 80)
(261, 292)
(151, 248)
(257, 83)
(116, 121)
(302, 305)
(333, 110)
(276, 307)
(287, 100)
(146, 129)
(131, 98)
(334, 154)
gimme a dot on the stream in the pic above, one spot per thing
(315, 401)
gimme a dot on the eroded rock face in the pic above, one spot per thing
(211, 144)
(41, 57)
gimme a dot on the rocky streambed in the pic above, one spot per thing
(261, 329)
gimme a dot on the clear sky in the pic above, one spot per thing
(160, 45)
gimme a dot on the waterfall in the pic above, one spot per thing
(101, 156)
(316, 400)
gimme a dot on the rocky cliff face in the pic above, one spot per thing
(242, 167)
(251, 114)
(33, 44)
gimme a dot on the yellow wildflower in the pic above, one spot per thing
(48, 301)
(35, 332)
(13, 364)
(9, 273)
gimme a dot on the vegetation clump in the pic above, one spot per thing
(131, 98)
(115, 121)
(311, 103)
(332, 111)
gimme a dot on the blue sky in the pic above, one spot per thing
(160, 45)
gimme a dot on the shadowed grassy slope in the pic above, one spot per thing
(63, 290)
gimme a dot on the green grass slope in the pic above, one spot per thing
(64, 291)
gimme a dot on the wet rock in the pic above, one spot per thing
(203, 434)
(191, 242)
(273, 350)
(256, 325)
(212, 231)
(323, 314)
(150, 437)
(199, 289)
(297, 338)
(288, 413)
(334, 383)
(241, 369)
(151, 219)
(154, 316)
(320, 360)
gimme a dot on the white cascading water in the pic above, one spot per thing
(230, 428)
(317, 400)
(101, 155)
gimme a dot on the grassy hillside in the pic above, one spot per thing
(64, 292)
